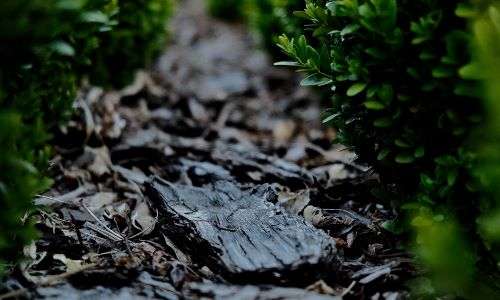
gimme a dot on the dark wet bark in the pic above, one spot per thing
(241, 234)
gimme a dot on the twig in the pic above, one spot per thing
(348, 289)
(78, 232)
(113, 233)
(125, 240)
(102, 231)
(54, 199)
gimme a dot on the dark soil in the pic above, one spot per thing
(210, 177)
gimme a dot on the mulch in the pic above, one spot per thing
(210, 177)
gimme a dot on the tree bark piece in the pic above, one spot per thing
(240, 233)
(242, 160)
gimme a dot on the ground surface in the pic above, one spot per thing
(216, 123)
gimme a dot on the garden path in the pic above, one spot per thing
(213, 109)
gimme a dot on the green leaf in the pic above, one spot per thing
(465, 10)
(325, 59)
(473, 71)
(94, 17)
(404, 158)
(427, 55)
(422, 221)
(411, 206)
(287, 63)
(382, 194)
(446, 160)
(315, 80)
(374, 105)
(377, 53)
(402, 143)
(384, 153)
(386, 93)
(452, 176)
(62, 48)
(302, 15)
(356, 88)
(301, 48)
(351, 28)
(331, 117)
(427, 181)
(314, 56)
(403, 97)
(383, 122)
(443, 72)
(419, 152)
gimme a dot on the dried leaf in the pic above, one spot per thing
(71, 265)
(294, 203)
(143, 219)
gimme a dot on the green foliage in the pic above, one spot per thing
(268, 18)
(406, 99)
(486, 32)
(231, 10)
(48, 47)
(138, 31)
(18, 181)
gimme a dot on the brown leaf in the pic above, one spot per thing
(283, 131)
(294, 203)
(143, 219)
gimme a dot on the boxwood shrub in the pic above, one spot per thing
(48, 46)
(407, 99)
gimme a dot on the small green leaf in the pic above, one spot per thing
(414, 73)
(439, 218)
(356, 88)
(384, 153)
(386, 93)
(94, 17)
(473, 71)
(302, 15)
(376, 52)
(419, 152)
(422, 221)
(315, 80)
(383, 122)
(331, 117)
(402, 143)
(374, 105)
(404, 158)
(446, 160)
(350, 29)
(287, 63)
(403, 97)
(427, 181)
(465, 10)
(62, 48)
(452, 176)
(427, 55)
(443, 72)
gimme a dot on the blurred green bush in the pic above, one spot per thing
(230, 10)
(268, 18)
(132, 44)
(407, 99)
(48, 46)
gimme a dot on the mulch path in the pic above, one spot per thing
(213, 109)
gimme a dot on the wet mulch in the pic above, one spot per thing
(210, 177)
